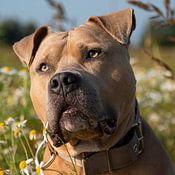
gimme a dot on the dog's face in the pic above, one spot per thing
(81, 80)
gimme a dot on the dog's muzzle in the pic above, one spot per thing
(73, 115)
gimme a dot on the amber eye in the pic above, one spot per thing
(43, 67)
(94, 53)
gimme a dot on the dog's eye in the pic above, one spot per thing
(93, 53)
(43, 67)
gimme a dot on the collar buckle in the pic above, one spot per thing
(139, 135)
(44, 165)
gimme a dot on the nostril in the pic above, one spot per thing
(54, 84)
(68, 78)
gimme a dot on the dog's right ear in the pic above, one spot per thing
(119, 25)
(27, 47)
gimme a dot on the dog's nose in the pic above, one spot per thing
(64, 81)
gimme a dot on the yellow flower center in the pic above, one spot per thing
(44, 131)
(23, 70)
(33, 132)
(1, 125)
(22, 165)
(1, 171)
(7, 69)
(38, 170)
(17, 133)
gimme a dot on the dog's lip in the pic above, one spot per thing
(69, 110)
(74, 142)
(105, 126)
(108, 126)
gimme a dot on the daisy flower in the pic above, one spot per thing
(23, 72)
(32, 134)
(2, 171)
(1, 125)
(9, 120)
(7, 70)
(17, 132)
(39, 170)
(21, 124)
(24, 166)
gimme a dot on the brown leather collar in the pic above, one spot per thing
(124, 153)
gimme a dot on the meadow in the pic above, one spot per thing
(19, 131)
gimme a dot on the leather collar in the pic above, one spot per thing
(124, 153)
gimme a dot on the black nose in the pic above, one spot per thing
(64, 81)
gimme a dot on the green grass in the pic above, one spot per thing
(8, 58)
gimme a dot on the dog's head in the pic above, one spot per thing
(81, 80)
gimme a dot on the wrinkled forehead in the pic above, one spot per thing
(82, 35)
(88, 33)
(72, 43)
(57, 39)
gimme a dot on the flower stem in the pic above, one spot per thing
(30, 149)
(13, 152)
(25, 150)
(75, 170)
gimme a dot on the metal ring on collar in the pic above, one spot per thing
(41, 145)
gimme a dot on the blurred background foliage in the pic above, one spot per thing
(154, 65)
(7, 33)
(153, 62)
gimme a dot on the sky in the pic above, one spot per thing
(77, 10)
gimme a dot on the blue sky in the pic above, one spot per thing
(78, 10)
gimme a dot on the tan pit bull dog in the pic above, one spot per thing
(83, 85)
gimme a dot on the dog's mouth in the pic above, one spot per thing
(75, 126)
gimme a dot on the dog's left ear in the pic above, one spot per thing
(27, 47)
(119, 25)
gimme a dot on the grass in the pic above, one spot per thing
(8, 58)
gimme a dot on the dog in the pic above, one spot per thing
(82, 84)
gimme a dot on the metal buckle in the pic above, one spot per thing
(49, 162)
(41, 145)
(139, 134)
